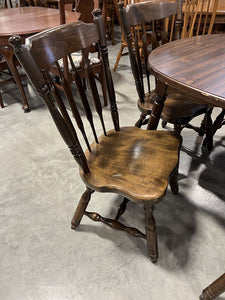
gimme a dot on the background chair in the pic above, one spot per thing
(129, 161)
(178, 109)
(84, 9)
(199, 17)
(123, 40)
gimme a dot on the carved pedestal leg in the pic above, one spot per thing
(151, 233)
(85, 198)
(214, 290)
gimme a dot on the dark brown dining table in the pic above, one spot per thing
(194, 66)
(25, 21)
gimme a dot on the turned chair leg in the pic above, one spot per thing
(173, 182)
(214, 290)
(118, 57)
(151, 233)
(85, 198)
(1, 101)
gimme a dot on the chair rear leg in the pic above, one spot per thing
(151, 233)
(1, 101)
(84, 200)
(118, 57)
(173, 181)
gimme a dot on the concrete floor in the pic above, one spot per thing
(42, 258)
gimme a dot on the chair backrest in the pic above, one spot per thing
(44, 49)
(199, 17)
(133, 19)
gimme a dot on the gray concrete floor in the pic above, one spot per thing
(42, 258)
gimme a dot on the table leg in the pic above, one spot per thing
(214, 290)
(157, 108)
(8, 54)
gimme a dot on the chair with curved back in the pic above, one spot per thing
(165, 17)
(123, 40)
(84, 10)
(199, 17)
(134, 163)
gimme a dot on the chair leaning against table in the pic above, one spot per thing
(134, 163)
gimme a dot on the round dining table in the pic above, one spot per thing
(194, 66)
(26, 21)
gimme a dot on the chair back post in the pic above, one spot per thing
(35, 76)
(178, 21)
(104, 54)
(129, 40)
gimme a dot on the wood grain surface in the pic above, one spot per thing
(195, 66)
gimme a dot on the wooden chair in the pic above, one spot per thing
(178, 109)
(107, 7)
(84, 9)
(123, 40)
(135, 163)
(199, 17)
(214, 290)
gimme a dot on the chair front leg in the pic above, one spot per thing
(151, 233)
(84, 200)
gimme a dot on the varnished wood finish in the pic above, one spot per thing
(214, 290)
(134, 163)
(195, 66)
(131, 147)
(179, 109)
(26, 21)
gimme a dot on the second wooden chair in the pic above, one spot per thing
(179, 109)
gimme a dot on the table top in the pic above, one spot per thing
(29, 20)
(195, 66)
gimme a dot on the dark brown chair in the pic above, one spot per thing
(84, 9)
(178, 109)
(132, 162)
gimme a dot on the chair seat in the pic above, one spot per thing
(176, 107)
(133, 162)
